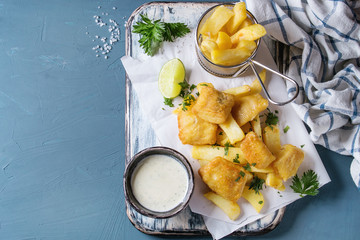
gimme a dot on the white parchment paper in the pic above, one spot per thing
(143, 73)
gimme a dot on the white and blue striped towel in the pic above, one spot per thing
(324, 41)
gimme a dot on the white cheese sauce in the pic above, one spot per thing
(160, 183)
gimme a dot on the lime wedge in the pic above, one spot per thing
(171, 74)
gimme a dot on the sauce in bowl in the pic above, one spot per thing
(160, 183)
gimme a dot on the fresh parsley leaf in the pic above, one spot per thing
(260, 202)
(302, 146)
(256, 184)
(168, 102)
(153, 33)
(175, 30)
(308, 184)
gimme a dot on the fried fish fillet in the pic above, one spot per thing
(225, 178)
(255, 151)
(194, 130)
(212, 105)
(247, 108)
(288, 161)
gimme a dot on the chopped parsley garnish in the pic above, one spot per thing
(302, 146)
(188, 100)
(236, 159)
(271, 118)
(227, 145)
(168, 102)
(261, 202)
(247, 167)
(256, 184)
(308, 184)
(242, 174)
(286, 129)
(154, 32)
(186, 88)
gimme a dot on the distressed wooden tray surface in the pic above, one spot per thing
(140, 135)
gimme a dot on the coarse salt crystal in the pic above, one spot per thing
(107, 41)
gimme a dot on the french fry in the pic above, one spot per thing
(256, 126)
(230, 208)
(274, 181)
(208, 152)
(221, 137)
(261, 175)
(207, 46)
(239, 16)
(223, 41)
(262, 170)
(271, 138)
(245, 23)
(216, 21)
(250, 33)
(255, 199)
(255, 85)
(239, 91)
(232, 130)
(249, 45)
(229, 57)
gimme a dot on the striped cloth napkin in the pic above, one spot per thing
(324, 41)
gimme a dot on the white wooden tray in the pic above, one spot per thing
(139, 134)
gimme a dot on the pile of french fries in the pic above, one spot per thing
(244, 139)
(229, 35)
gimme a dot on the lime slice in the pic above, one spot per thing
(171, 74)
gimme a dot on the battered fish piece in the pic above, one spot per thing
(225, 178)
(212, 105)
(255, 151)
(195, 131)
(248, 107)
(288, 161)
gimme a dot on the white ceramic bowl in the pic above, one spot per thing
(131, 172)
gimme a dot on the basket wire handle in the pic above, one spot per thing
(252, 62)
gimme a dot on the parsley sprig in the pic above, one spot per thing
(256, 184)
(308, 184)
(153, 33)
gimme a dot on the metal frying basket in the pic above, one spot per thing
(236, 70)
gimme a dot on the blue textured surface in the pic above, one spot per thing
(62, 143)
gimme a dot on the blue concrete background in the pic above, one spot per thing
(62, 137)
